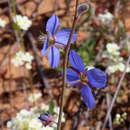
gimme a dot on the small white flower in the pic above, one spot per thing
(106, 18)
(28, 120)
(121, 67)
(9, 124)
(35, 124)
(28, 57)
(17, 62)
(112, 52)
(56, 110)
(28, 66)
(113, 49)
(49, 128)
(116, 67)
(34, 97)
(128, 69)
(118, 116)
(22, 21)
(2, 23)
(23, 58)
(111, 69)
(45, 107)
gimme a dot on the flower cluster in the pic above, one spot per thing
(2, 23)
(22, 22)
(23, 58)
(120, 118)
(29, 119)
(113, 54)
(33, 97)
(106, 18)
(57, 40)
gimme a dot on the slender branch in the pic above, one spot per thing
(116, 94)
(13, 7)
(65, 67)
(38, 60)
(108, 104)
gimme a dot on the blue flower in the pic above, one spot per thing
(77, 75)
(46, 118)
(57, 39)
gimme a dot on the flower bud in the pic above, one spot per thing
(82, 8)
(46, 118)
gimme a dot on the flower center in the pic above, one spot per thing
(51, 41)
(83, 78)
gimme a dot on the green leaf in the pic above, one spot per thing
(87, 51)
(52, 106)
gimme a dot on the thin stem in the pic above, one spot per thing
(108, 104)
(17, 31)
(116, 94)
(65, 67)
(13, 7)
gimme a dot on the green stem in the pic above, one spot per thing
(13, 7)
(65, 67)
(17, 31)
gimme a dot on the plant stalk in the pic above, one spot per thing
(65, 67)
(116, 93)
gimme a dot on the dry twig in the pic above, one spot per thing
(116, 94)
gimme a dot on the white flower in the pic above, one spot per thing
(17, 61)
(45, 107)
(2, 23)
(116, 67)
(35, 124)
(22, 21)
(128, 69)
(28, 120)
(9, 124)
(116, 61)
(23, 58)
(28, 57)
(34, 97)
(118, 115)
(56, 110)
(106, 18)
(121, 67)
(28, 66)
(112, 52)
(113, 49)
(111, 69)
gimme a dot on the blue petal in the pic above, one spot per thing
(71, 75)
(76, 61)
(45, 46)
(54, 56)
(52, 25)
(97, 78)
(87, 95)
(44, 117)
(63, 36)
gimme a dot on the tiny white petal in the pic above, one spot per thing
(22, 21)
(106, 18)
(2, 23)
